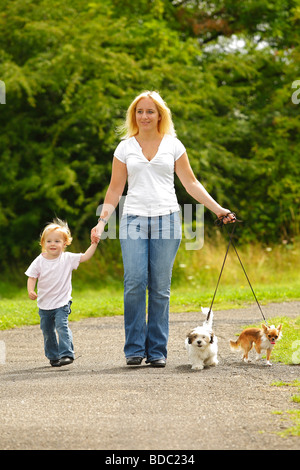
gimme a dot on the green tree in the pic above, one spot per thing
(71, 68)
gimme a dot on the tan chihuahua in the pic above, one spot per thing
(263, 339)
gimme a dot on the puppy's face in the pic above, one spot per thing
(200, 338)
(272, 333)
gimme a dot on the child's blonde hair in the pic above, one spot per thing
(165, 124)
(57, 225)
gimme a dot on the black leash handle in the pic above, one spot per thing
(220, 222)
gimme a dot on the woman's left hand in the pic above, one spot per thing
(227, 217)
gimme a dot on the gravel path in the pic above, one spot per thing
(100, 403)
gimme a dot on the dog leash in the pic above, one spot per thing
(220, 223)
(249, 283)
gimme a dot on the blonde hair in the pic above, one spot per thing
(57, 225)
(165, 124)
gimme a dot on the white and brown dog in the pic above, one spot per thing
(202, 344)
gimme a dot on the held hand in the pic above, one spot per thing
(94, 239)
(32, 295)
(95, 234)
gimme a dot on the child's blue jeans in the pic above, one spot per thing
(149, 246)
(52, 322)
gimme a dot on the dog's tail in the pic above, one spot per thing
(234, 345)
(209, 321)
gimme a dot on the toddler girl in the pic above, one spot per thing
(53, 270)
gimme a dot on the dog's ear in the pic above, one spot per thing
(189, 337)
(264, 327)
(211, 338)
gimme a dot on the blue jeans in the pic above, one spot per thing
(52, 322)
(149, 246)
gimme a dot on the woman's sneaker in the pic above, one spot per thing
(65, 361)
(133, 360)
(55, 363)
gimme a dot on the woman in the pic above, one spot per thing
(150, 229)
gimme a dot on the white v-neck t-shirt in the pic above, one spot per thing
(151, 190)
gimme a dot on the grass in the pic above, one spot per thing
(98, 290)
(292, 416)
(18, 310)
